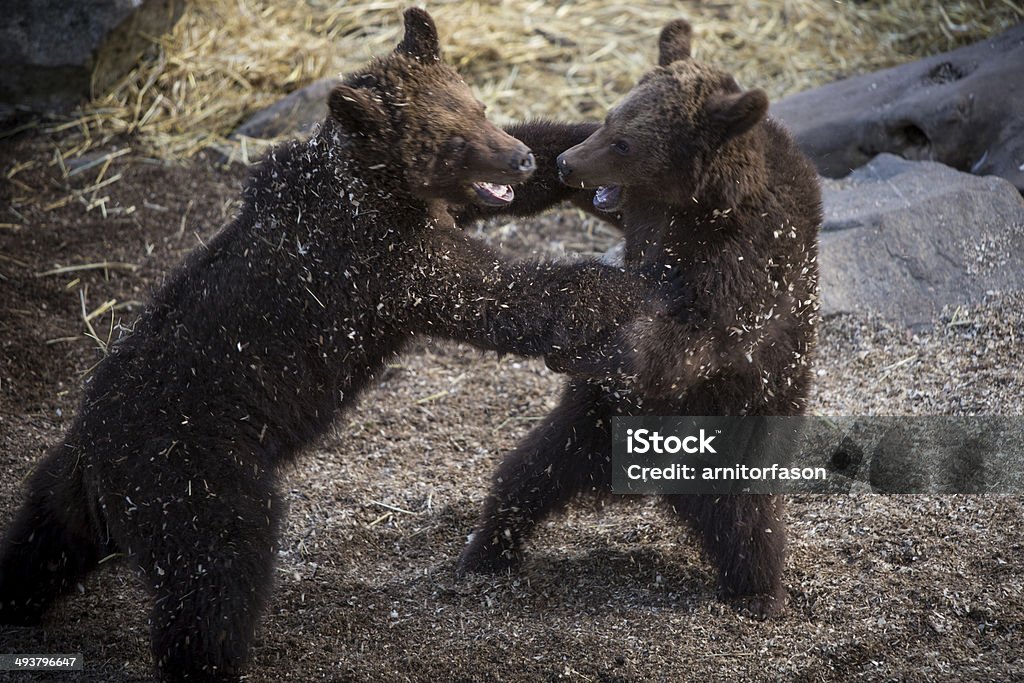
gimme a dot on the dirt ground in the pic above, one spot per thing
(898, 588)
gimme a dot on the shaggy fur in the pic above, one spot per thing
(709, 189)
(343, 250)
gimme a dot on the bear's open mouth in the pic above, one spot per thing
(608, 197)
(493, 194)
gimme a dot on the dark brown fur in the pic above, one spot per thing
(343, 250)
(715, 194)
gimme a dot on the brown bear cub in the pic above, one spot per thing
(707, 187)
(343, 250)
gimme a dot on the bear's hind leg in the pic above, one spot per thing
(570, 451)
(51, 543)
(208, 555)
(744, 536)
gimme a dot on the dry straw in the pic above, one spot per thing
(228, 58)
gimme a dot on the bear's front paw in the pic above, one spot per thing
(677, 294)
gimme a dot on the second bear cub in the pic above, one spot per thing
(707, 188)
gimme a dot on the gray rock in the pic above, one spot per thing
(295, 114)
(964, 108)
(53, 52)
(914, 454)
(904, 238)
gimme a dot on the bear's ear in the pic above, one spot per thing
(733, 114)
(420, 41)
(674, 42)
(356, 109)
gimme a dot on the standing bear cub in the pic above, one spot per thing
(343, 250)
(706, 187)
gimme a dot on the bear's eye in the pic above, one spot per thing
(366, 81)
(621, 146)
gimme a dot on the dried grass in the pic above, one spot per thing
(228, 58)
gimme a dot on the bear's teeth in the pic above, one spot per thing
(608, 197)
(503, 193)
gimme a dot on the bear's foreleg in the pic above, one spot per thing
(467, 292)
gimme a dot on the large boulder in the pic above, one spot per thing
(294, 114)
(964, 108)
(905, 238)
(54, 53)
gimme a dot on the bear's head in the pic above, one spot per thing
(413, 115)
(665, 141)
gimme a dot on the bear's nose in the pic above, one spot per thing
(524, 162)
(563, 166)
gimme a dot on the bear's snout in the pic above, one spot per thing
(523, 161)
(564, 169)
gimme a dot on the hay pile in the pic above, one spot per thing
(526, 58)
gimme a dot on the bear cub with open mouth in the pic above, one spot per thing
(343, 250)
